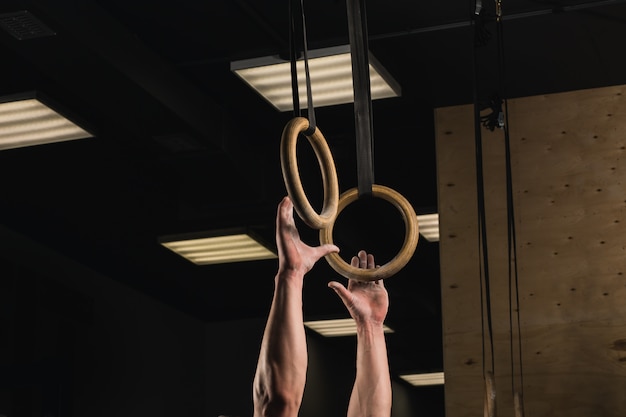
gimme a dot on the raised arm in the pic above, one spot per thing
(367, 303)
(281, 370)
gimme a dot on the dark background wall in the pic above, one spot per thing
(75, 343)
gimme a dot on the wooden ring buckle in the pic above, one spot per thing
(411, 236)
(291, 176)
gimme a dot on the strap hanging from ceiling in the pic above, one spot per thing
(485, 286)
(333, 203)
(293, 55)
(482, 231)
(517, 391)
(357, 26)
(498, 118)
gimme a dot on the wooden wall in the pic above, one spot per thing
(568, 155)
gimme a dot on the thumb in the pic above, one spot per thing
(341, 291)
(323, 250)
(329, 248)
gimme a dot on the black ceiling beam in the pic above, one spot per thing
(505, 16)
(90, 25)
(87, 23)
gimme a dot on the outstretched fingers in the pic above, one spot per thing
(293, 254)
(363, 260)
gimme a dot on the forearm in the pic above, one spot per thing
(281, 370)
(371, 394)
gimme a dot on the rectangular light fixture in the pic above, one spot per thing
(420, 380)
(429, 226)
(337, 327)
(28, 119)
(330, 71)
(225, 246)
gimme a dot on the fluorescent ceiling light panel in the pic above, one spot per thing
(337, 327)
(419, 380)
(429, 226)
(217, 249)
(330, 70)
(29, 121)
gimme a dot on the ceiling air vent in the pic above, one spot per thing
(23, 25)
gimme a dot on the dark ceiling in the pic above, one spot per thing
(182, 145)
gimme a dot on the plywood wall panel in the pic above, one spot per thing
(569, 186)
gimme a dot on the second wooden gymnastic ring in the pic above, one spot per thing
(291, 176)
(411, 236)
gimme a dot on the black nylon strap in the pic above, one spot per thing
(309, 93)
(294, 71)
(293, 56)
(357, 25)
(482, 225)
(512, 238)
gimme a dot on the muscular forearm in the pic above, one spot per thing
(371, 394)
(281, 370)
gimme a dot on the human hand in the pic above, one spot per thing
(294, 256)
(366, 301)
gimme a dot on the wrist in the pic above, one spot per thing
(370, 326)
(290, 277)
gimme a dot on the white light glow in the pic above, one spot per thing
(429, 226)
(29, 122)
(435, 378)
(337, 327)
(330, 73)
(220, 249)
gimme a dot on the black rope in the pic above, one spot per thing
(495, 119)
(293, 57)
(294, 71)
(512, 239)
(482, 232)
(498, 118)
(357, 25)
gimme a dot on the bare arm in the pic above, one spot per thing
(367, 303)
(281, 370)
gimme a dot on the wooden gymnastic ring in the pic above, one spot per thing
(411, 236)
(291, 176)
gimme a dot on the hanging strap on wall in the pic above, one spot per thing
(500, 120)
(357, 26)
(485, 286)
(293, 54)
(511, 234)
